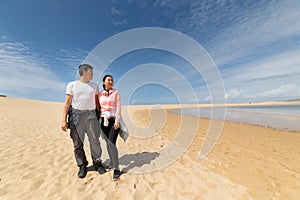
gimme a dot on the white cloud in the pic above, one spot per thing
(234, 93)
(280, 65)
(4, 37)
(230, 32)
(27, 74)
(275, 22)
(115, 11)
(206, 99)
(119, 22)
(272, 78)
(118, 16)
(282, 92)
(69, 59)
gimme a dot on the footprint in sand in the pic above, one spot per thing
(89, 181)
(27, 176)
(35, 185)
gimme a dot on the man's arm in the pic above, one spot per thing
(97, 103)
(68, 101)
(98, 108)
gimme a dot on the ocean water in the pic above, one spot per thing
(281, 117)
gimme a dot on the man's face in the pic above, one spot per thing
(88, 74)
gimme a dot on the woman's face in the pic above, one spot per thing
(109, 83)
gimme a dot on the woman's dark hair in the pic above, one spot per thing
(107, 75)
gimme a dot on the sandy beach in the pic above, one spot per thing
(159, 160)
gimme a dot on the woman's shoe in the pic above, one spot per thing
(116, 175)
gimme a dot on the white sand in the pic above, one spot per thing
(249, 161)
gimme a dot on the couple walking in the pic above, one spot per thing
(84, 106)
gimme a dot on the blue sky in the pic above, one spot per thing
(254, 44)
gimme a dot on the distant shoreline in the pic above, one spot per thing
(179, 106)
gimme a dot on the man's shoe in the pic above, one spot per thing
(109, 168)
(116, 175)
(100, 168)
(82, 171)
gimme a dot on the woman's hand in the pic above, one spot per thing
(116, 126)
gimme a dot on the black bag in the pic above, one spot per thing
(71, 124)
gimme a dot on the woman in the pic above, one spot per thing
(110, 104)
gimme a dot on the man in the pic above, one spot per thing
(81, 105)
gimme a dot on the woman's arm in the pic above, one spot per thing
(118, 108)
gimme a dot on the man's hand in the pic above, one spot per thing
(64, 126)
(68, 101)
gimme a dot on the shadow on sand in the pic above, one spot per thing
(131, 161)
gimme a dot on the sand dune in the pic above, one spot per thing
(248, 162)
